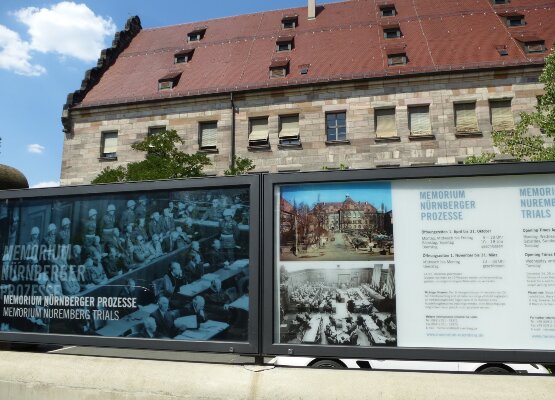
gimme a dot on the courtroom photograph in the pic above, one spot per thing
(329, 304)
(336, 222)
(152, 265)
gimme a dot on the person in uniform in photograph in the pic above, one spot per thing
(194, 269)
(108, 222)
(214, 213)
(64, 235)
(229, 233)
(116, 241)
(172, 281)
(70, 283)
(50, 237)
(168, 222)
(33, 245)
(181, 212)
(141, 252)
(75, 255)
(140, 229)
(90, 228)
(128, 216)
(218, 300)
(140, 210)
(155, 246)
(189, 229)
(216, 257)
(14, 229)
(113, 266)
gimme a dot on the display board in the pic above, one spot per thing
(160, 265)
(401, 268)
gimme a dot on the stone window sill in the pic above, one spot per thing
(387, 139)
(337, 142)
(208, 151)
(468, 134)
(107, 159)
(422, 137)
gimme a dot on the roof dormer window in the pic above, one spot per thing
(497, 2)
(279, 69)
(197, 34)
(284, 43)
(397, 59)
(388, 10)
(536, 46)
(169, 81)
(392, 32)
(183, 56)
(513, 19)
(290, 22)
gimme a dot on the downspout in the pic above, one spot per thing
(232, 161)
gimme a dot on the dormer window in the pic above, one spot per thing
(303, 69)
(169, 81)
(289, 21)
(536, 46)
(279, 69)
(183, 56)
(284, 43)
(197, 34)
(397, 59)
(497, 2)
(388, 10)
(502, 50)
(513, 19)
(392, 32)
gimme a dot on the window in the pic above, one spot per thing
(303, 69)
(502, 50)
(396, 59)
(258, 132)
(155, 130)
(109, 145)
(535, 46)
(289, 22)
(289, 130)
(465, 118)
(515, 20)
(169, 81)
(279, 69)
(392, 33)
(385, 123)
(336, 126)
(208, 135)
(197, 34)
(284, 43)
(501, 115)
(500, 1)
(419, 120)
(183, 56)
(388, 10)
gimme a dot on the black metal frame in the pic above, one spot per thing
(250, 347)
(269, 296)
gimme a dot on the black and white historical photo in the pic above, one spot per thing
(329, 304)
(165, 264)
(336, 222)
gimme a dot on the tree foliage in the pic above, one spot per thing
(518, 143)
(240, 166)
(163, 160)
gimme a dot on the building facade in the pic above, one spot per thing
(362, 84)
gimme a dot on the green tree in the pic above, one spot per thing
(518, 143)
(163, 160)
(240, 166)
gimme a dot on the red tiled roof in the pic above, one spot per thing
(344, 42)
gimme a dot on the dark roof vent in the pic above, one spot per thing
(502, 50)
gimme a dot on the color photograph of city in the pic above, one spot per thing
(336, 222)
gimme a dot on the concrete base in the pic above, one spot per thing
(25, 376)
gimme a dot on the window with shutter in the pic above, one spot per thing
(109, 144)
(419, 120)
(208, 135)
(396, 59)
(501, 115)
(385, 123)
(258, 132)
(465, 118)
(534, 47)
(289, 130)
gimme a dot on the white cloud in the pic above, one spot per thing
(15, 56)
(35, 148)
(68, 29)
(46, 184)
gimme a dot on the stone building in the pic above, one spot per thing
(361, 83)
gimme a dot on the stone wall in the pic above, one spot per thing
(81, 161)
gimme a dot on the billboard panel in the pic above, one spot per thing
(168, 265)
(410, 266)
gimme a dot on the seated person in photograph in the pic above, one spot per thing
(155, 226)
(115, 240)
(94, 273)
(215, 295)
(165, 318)
(190, 230)
(214, 213)
(143, 295)
(216, 257)
(141, 252)
(113, 265)
(168, 222)
(90, 226)
(181, 211)
(50, 237)
(140, 229)
(197, 309)
(108, 222)
(64, 235)
(75, 257)
(148, 329)
(175, 240)
(173, 280)
(140, 209)
(194, 269)
(155, 246)
(70, 283)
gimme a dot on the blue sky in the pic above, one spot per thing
(375, 193)
(45, 49)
